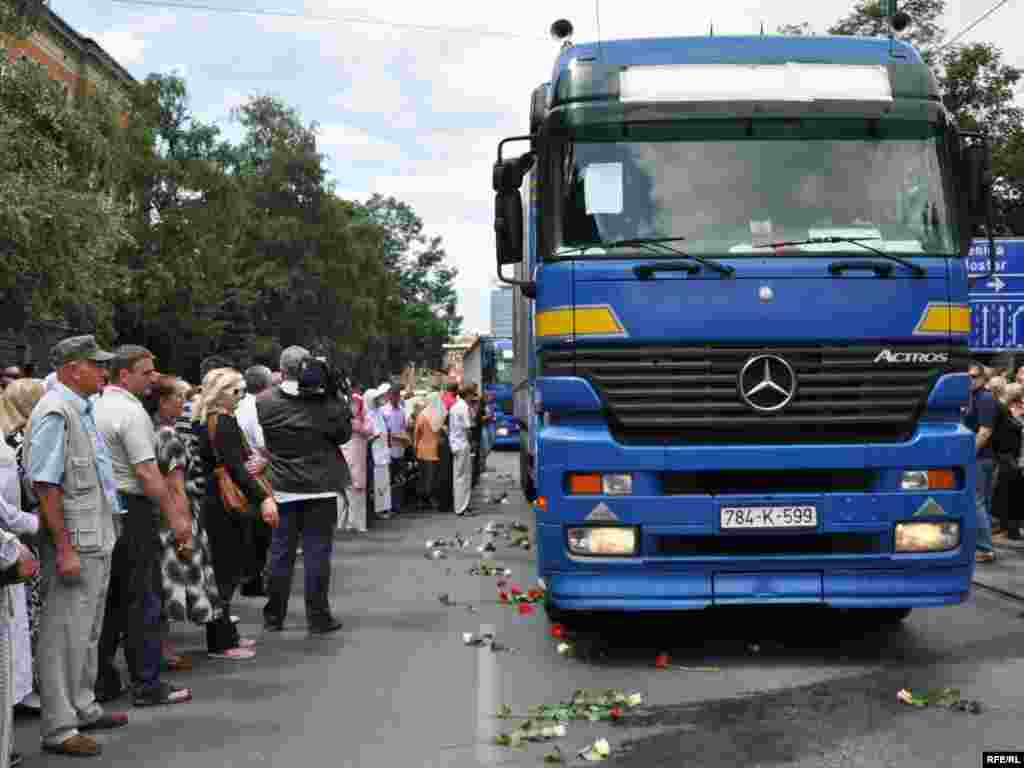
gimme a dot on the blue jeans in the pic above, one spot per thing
(983, 503)
(315, 519)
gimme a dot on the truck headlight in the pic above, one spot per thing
(615, 541)
(927, 537)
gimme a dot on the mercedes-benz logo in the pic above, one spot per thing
(767, 383)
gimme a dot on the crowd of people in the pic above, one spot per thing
(995, 413)
(130, 499)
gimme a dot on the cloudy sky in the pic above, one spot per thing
(418, 113)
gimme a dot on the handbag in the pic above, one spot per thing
(231, 496)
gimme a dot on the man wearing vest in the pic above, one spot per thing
(71, 472)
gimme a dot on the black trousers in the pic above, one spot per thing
(257, 544)
(134, 600)
(315, 520)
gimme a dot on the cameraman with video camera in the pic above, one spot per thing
(305, 422)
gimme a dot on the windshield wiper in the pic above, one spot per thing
(653, 244)
(917, 269)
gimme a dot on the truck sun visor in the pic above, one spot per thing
(757, 82)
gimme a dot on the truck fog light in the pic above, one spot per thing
(927, 537)
(603, 541)
(617, 485)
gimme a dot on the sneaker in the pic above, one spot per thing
(984, 557)
(325, 626)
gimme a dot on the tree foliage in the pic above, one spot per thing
(140, 221)
(64, 203)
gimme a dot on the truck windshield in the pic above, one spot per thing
(730, 196)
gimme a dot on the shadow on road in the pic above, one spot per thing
(745, 636)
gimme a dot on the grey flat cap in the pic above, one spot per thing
(78, 348)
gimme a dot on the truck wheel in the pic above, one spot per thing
(880, 617)
(892, 616)
(525, 480)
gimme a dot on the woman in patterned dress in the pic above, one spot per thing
(189, 589)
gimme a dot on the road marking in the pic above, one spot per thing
(488, 700)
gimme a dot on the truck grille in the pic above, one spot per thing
(678, 394)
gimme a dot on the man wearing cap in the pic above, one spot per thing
(134, 602)
(72, 474)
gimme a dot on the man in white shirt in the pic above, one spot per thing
(258, 379)
(459, 424)
(398, 438)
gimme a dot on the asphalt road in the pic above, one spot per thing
(398, 687)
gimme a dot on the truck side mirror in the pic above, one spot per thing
(508, 227)
(977, 179)
(506, 179)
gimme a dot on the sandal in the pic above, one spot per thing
(165, 694)
(233, 654)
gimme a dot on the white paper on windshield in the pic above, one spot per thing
(507, 354)
(602, 186)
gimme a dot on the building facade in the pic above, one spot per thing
(79, 63)
(502, 300)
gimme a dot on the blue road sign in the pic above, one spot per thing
(997, 303)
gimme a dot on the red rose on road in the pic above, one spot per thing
(525, 609)
(515, 589)
(503, 596)
(616, 713)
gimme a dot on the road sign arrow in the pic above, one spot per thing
(996, 284)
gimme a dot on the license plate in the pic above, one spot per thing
(799, 516)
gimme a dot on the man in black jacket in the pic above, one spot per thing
(304, 428)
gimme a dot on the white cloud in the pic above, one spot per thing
(418, 114)
(347, 143)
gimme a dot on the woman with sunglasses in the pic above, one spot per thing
(221, 443)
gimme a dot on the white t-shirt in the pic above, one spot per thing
(458, 426)
(249, 422)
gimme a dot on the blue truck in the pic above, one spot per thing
(506, 428)
(741, 325)
(489, 363)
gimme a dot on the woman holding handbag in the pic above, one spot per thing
(231, 494)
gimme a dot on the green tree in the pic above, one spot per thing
(925, 30)
(64, 201)
(182, 290)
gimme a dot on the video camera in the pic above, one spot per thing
(317, 377)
